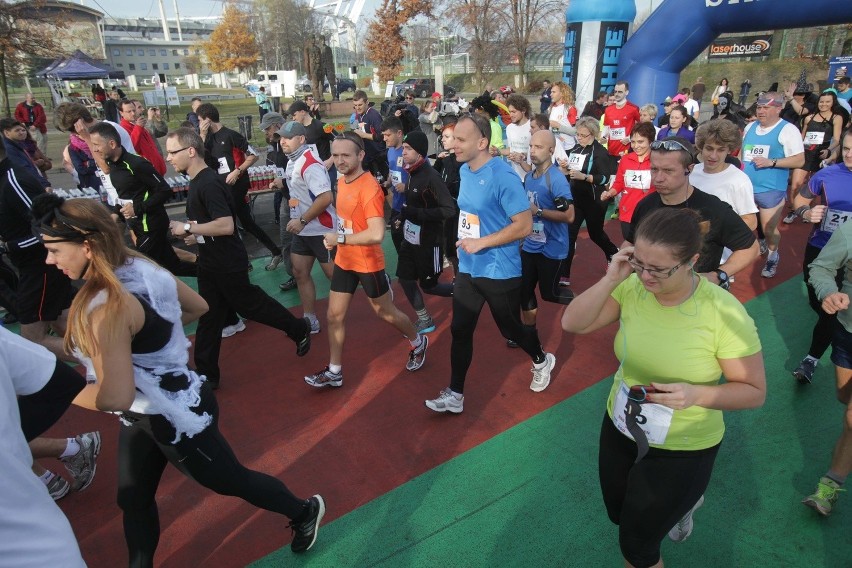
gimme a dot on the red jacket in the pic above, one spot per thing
(22, 115)
(145, 145)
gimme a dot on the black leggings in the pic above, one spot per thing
(824, 327)
(588, 207)
(647, 499)
(243, 212)
(144, 449)
(40, 410)
(538, 270)
(504, 300)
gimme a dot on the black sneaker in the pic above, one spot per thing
(512, 344)
(304, 344)
(287, 286)
(305, 533)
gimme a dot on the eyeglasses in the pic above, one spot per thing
(661, 274)
(173, 152)
(586, 135)
(409, 98)
(669, 146)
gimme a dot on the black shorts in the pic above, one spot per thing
(43, 292)
(812, 161)
(539, 270)
(311, 246)
(420, 262)
(376, 284)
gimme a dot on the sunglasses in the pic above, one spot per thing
(669, 146)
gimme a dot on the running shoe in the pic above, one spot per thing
(287, 286)
(304, 344)
(58, 487)
(446, 402)
(564, 281)
(231, 330)
(315, 325)
(791, 216)
(683, 528)
(764, 248)
(417, 356)
(305, 533)
(804, 373)
(825, 497)
(771, 266)
(325, 378)
(274, 262)
(425, 325)
(83, 464)
(541, 377)
(512, 344)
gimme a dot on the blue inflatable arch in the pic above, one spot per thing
(679, 30)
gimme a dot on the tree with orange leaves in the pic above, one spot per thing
(385, 45)
(232, 45)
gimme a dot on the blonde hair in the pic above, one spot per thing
(98, 230)
(568, 98)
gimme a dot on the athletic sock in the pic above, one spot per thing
(836, 477)
(417, 341)
(773, 255)
(46, 476)
(71, 448)
(539, 361)
(423, 314)
(336, 369)
(310, 316)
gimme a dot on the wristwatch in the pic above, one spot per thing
(341, 239)
(724, 280)
(302, 221)
(775, 163)
(187, 228)
(540, 213)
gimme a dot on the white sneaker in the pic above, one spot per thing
(315, 326)
(541, 377)
(231, 330)
(446, 402)
(681, 531)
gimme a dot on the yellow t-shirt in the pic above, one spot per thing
(682, 343)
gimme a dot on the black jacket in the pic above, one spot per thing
(135, 179)
(599, 165)
(17, 191)
(427, 203)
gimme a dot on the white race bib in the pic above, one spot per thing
(834, 218)
(637, 179)
(752, 151)
(618, 134)
(654, 419)
(112, 193)
(468, 225)
(344, 226)
(537, 235)
(576, 161)
(223, 166)
(396, 176)
(814, 138)
(411, 232)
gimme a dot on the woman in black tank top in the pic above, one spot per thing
(126, 326)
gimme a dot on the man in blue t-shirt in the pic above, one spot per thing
(544, 249)
(494, 214)
(397, 179)
(825, 201)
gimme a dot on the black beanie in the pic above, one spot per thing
(418, 142)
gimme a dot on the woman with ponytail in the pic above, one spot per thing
(126, 327)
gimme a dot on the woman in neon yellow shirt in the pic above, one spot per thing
(678, 333)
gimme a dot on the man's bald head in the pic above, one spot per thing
(542, 146)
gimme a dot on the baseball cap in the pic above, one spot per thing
(298, 105)
(436, 95)
(269, 119)
(292, 129)
(770, 99)
(668, 101)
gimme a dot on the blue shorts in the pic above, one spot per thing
(769, 199)
(841, 347)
